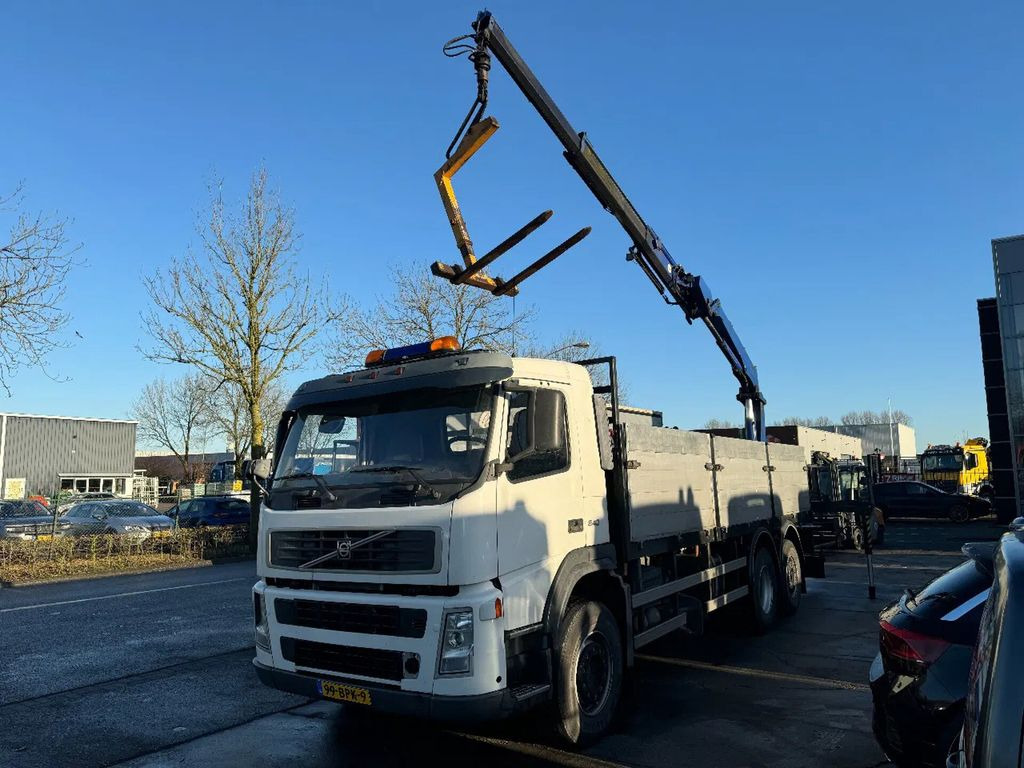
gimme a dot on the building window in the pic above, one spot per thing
(80, 484)
(67, 484)
(94, 485)
(108, 485)
(119, 486)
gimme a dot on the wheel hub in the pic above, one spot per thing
(593, 673)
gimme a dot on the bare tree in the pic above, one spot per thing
(229, 412)
(35, 258)
(423, 307)
(175, 416)
(874, 417)
(800, 421)
(237, 311)
(720, 424)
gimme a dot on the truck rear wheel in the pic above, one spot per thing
(764, 590)
(791, 581)
(589, 676)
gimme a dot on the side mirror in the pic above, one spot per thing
(259, 469)
(98, 516)
(548, 421)
(538, 428)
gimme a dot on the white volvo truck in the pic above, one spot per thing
(465, 535)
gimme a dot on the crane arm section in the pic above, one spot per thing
(677, 286)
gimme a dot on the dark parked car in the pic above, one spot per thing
(993, 729)
(27, 520)
(127, 518)
(913, 499)
(210, 510)
(919, 678)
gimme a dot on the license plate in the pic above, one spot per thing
(347, 693)
(161, 534)
(44, 537)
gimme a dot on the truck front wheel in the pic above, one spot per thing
(589, 680)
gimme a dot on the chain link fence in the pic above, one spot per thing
(81, 534)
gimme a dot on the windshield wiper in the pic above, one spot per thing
(321, 484)
(414, 474)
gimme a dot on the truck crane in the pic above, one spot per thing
(676, 285)
(465, 535)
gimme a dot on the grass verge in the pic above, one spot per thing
(70, 556)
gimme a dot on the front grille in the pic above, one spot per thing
(365, 587)
(344, 659)
(352, 617)
(405, 549)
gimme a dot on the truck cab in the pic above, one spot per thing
(959, 468)
(447, 534)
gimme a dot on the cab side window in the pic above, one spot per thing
(543, 459)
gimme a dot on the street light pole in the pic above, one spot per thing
(574, 345)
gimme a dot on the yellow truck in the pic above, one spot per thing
(959, 468)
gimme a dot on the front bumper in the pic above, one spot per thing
(482, 707)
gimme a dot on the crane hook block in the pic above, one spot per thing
(471, 272)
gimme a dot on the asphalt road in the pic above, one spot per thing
(154, 670)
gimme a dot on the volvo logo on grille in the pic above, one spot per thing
(343, 548)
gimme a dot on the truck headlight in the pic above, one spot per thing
(457, 643)
(262, 623)
(135, 529)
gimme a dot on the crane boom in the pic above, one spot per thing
(677, 286)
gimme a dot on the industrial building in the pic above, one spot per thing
(1008, 265)
(1000, 454)
(48, 454)
(889, 439)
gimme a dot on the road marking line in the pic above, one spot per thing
(551, 754)
(824, 682)
(122, 594)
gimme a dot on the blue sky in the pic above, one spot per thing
(834, 171)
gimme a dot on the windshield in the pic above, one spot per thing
(127, 509)
(403, 448)
(947, 462)
(10, 509)
(853, 484)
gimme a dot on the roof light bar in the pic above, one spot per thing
(423, 349)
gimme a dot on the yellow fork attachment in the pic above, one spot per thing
(472, 272)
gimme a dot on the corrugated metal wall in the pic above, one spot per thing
(41, 448)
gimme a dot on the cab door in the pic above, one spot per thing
(539, 495)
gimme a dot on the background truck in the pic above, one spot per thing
(959, 468)
(499, 542)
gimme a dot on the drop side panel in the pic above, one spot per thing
(670, 488)
(789, 480)
(744, 494)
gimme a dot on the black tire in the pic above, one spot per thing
(959, 513)
(588, 683)
(764, 591)
(790, 579)
(858, 538)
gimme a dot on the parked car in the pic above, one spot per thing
(993, 731)
(28, 520)
(914, 499)
(210, 510)
(78, 498)
(919, 677)
(120, 516)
